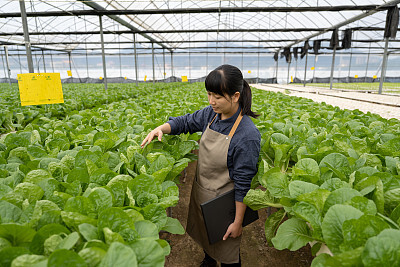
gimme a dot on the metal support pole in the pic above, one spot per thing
(348, 74)
(224, 58)
(70, 61)
(305, 70)
(276, 70)
(136, 65)
(86, 57)
(332, 67)
(207, 58)
(295, 71)
(87, 64)
(366, 69)
(37, 63)
(4, 65)
(8, 65)
(103, 56)
(19, 61)
(315, 63)
(26, 36)
(52, 64)
(242, 61)
(384, 65)
(258, 67)
(163, 56)
(207, 62)
(172, 64)
(152, 60)
(44, 62)
(288, 73)
(119, 57)
(190, 72)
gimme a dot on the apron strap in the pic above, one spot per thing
(213, 119)
(233, 130)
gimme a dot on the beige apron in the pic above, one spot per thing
(211, 180)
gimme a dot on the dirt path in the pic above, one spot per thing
(255, 251)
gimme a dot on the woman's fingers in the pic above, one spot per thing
(151, 136)
(148, 139)
(160, 134)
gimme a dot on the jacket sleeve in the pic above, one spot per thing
(245, 160)
(190, 123)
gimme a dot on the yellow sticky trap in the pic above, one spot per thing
(249, 71)
(69, 73)
(375, 77)
(312, 68)
(40, 88)
(356, 76)
(125, 78)
(165, 73)
(145, 77)
(291, 78)
(101, 78)
(184, 79)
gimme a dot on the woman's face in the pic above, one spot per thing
(223, 104)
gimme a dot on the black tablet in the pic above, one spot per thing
(219, 213)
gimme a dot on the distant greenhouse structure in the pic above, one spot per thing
(324, 42)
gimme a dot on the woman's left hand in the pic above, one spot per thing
(234, 230)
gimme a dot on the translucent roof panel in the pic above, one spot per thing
(180, 25)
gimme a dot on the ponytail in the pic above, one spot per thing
(245, 100)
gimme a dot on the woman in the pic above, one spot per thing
(228, 156)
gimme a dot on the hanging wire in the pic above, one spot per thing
(119, 54)
(37, 30)
(52, 63)
(72, 60)
(76, 38)
(86, 52)
(19, 60)
(190, 71)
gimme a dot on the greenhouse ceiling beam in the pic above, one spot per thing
(194, 31)
(34, 45)
(203, 41)
(237, 53)
(348, 21)
(99, 10)
(196, 48)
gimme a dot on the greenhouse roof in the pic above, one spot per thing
(196, 26)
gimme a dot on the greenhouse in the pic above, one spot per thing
(86, 85)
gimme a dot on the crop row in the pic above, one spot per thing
(76, 97)
(79, 190)
(335, 176)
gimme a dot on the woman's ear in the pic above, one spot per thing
(235, 97)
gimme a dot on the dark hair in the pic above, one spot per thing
(227, 80)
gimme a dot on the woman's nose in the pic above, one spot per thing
(211, 100)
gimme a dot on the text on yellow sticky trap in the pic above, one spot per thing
(184, 79)
(40, 88)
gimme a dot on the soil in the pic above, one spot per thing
(254, 249)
